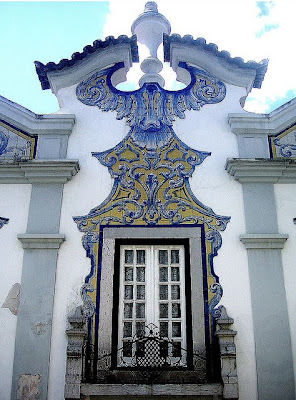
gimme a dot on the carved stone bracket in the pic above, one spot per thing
(228, 355)
(76, 336)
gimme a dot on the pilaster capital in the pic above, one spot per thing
(264, 240)
(38, 171)
(262, 170)
(41, 241)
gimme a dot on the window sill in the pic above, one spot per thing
(99, 390)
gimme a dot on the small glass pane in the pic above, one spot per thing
(176, 310)
(163, 274)
(128, 310)
(140, 328)
(176, 351)
(128, 274)
(175, 274)
(163, 257)
(128, 292)
(164, 329)
(163, 349)
(163, 310)
(175, 292)
(140, 292)
(163, 292)
(128, 256)
(175, 256)
(127, 349)
(127, 329)
(140, 256)
(140, 274)
(176, 329)
(140, 349)
(140, 310)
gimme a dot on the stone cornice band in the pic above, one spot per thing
(38, 171)
(262, 170)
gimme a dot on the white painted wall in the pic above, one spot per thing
(205, 130)
(285, 195)
(14, 205)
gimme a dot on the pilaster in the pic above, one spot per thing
(47, 173)
(275, 376)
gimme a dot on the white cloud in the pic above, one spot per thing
(234, 26)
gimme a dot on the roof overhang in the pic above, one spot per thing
(81, 65)
(218, 63)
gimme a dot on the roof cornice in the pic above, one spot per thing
(97, 47)
(271, 124)
(32, 123)
(200, 44)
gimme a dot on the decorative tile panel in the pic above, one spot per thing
(283, 144)
(15, 144)
(151, 169)
(3, 221)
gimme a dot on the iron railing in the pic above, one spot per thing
(147, 357)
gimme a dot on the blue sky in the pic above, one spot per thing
(51, 31)
(42, 31)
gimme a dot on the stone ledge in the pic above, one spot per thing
(35, 124)
(267, 124)
(38, 171)
(261, 170)
(41, 241)
(213, 389)
(264, 240)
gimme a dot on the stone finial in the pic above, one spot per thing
(149, 28)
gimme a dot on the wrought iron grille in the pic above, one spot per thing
(146, 358)
(149, 350)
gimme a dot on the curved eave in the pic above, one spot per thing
(200, 43)
(97, 46)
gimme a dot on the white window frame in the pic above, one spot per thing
(152, 299)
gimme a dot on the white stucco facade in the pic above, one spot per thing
(15, 200)
(245, 178)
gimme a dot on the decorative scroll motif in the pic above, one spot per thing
(3, 221)
(283, 144)
(150, 111)
(15, 144)
(151, 168)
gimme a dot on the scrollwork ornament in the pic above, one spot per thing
(215, 288)
(88, 307)
(286, 150)
(151, 168)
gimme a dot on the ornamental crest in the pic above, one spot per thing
(151, 168)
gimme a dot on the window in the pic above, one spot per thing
(113, 278)
(152, 293)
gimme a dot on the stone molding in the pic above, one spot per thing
(76, 337)
(262, 170)
(34, 124)
(269, 124)
(264, 240)
(38, 171)
(227, 355)
(41, 240)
